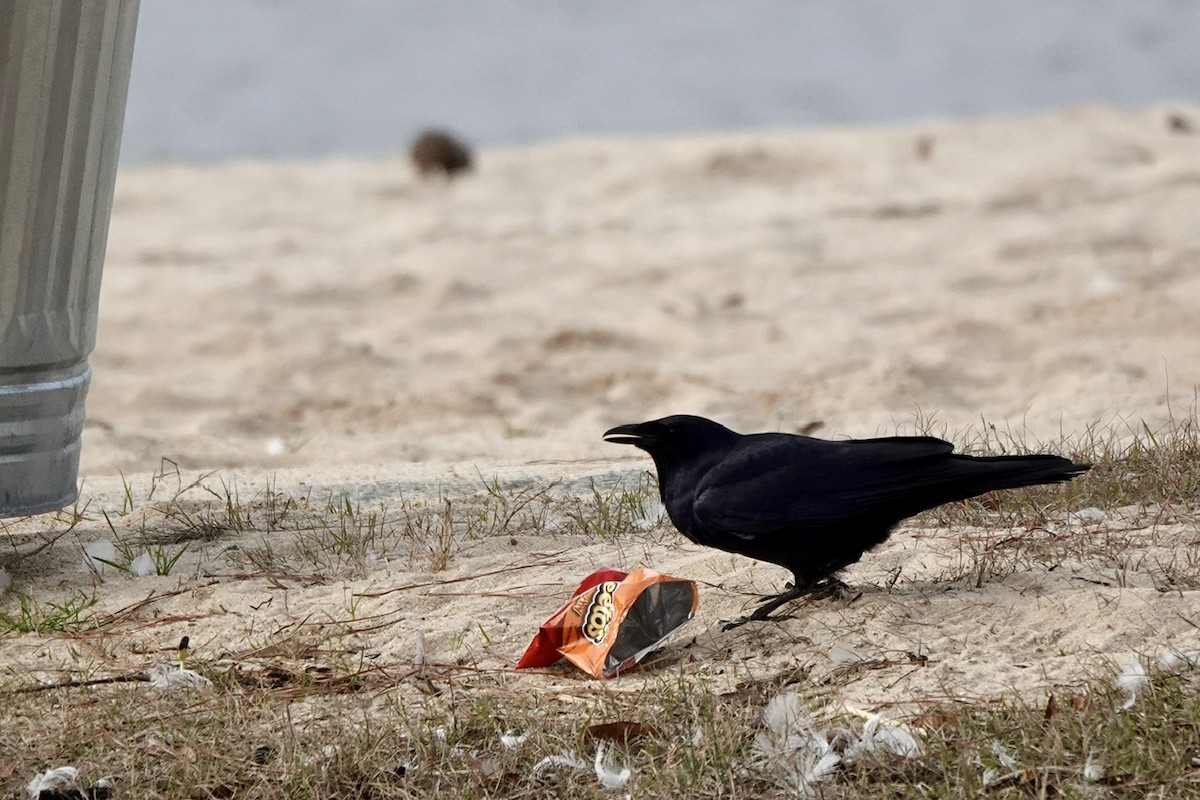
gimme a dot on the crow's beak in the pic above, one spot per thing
(628, 434)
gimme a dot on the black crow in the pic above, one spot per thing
(811, 505)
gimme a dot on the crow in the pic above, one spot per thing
(810, 505)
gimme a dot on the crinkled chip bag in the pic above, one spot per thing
(613, 620)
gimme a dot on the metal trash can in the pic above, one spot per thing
(64, 74)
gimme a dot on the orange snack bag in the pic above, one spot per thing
(613, 621)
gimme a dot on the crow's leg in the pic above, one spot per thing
(767, 597)
(794, 591)
(829, 586)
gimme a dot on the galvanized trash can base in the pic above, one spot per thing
(64, 75)
(40, 429)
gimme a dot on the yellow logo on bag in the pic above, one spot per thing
(599, 615)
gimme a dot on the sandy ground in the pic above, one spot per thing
(339, 326)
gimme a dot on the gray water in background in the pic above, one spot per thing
(223, 79)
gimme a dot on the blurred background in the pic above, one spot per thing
(229, 79)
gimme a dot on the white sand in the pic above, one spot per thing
(339, 324)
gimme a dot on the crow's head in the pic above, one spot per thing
(673, 438)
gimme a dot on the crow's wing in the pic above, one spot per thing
(771, 483)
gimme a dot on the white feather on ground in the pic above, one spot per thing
(881, 736)
(1175, 662)
(992, 776)
(166, 677)
(841, 655)
(792, 747)
(652, 515)
(1132, 680)
(610, 776)
(1002, 755)
(99, 554)
(1093, 769)
(559, 760)
(142, 566)
(59, 779)
(511, 740)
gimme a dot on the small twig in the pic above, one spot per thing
(462, 579)
(917, 660)
(71, 683)
(273, 577)
(1092, 581)
(505, 595)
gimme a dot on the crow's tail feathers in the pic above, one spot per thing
(1011, 472)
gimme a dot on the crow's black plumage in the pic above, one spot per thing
(811, 505)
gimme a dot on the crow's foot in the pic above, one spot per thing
(835, 589)
(830, 587)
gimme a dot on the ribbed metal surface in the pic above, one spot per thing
(64, 73)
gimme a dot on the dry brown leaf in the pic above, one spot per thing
(622, 732)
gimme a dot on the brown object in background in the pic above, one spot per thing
(923, 147)
(1178, 123)
(438, 151)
